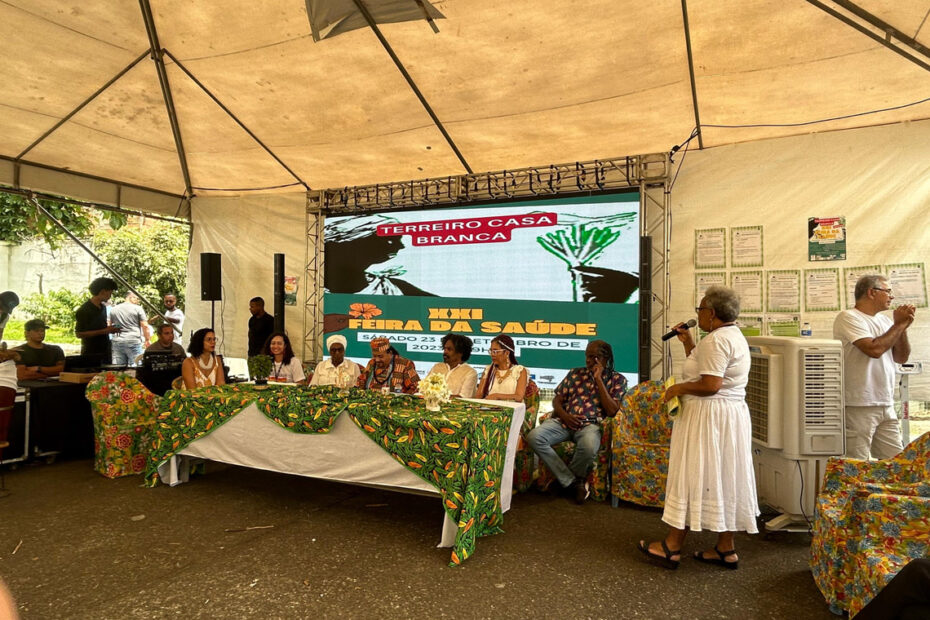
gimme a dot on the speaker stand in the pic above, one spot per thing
(212, 313)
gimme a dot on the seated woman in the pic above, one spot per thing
(285, 367)
(503, 378)
(203, 367)
(336, 370)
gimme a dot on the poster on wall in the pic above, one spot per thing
(826, 238)
(821, 290)
(783, 290)
(748, 285)
(908, 284)
(710, 248)
(746, 246)
(703, 280)
(290, 290)
(552, 274)
(783, 325)
(750, 325)
(851, 275)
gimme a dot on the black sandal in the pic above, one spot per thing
(664, 562)
(721, 561)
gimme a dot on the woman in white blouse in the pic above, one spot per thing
(285, 366)
(336, 370)
(504, 378)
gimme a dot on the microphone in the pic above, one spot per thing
(691, 323)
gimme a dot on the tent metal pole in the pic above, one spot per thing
(235, 118)
(888, 31)
(158, 58)
(80, 107)
(84, 247)
(694, 99)
(413, 86)
(78, 203)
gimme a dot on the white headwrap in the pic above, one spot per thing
(334, 339)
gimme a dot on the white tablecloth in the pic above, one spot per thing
(345, 454)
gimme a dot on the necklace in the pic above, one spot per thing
(209, 366)
(500, 376)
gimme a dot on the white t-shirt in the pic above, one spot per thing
(7, 368)
(461, 380)
(869, 381)
(292, 372)
(344, 375)
(177, 314)
(723, 352)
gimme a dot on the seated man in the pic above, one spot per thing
(387, 369)
(336, 370)
(584, 397)
(461, 378)
(38, 360)
(165, 342)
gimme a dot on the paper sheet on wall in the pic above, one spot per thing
(746, 246)
(821, 290)
(851, 275)
(710, 248)
(783, 290)
(783, 325)
(750, 325)
(703, 280)
(826, 238)
(748, 285)
(908, 283)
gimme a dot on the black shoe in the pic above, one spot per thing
(581, 491)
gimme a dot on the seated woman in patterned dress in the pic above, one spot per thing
(203, 367)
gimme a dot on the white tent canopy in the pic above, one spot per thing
(259, 106)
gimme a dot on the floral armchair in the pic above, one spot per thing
(599, 476)
(639, 450)
(871, 519)
(523, 461)
(124, 413)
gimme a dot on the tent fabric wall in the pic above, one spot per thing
(878, 177)
(247, 232)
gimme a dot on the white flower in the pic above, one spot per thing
(434, 386)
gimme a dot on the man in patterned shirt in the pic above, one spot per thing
(584, 397)
(388, 369)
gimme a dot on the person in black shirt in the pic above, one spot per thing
(38, 360)
(261, 325)
(91, 321)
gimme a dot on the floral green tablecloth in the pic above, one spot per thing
(459, 450)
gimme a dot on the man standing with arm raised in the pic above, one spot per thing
(872, 343)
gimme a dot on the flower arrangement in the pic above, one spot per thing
(435, 391)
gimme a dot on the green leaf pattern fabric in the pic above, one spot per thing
(460, 450)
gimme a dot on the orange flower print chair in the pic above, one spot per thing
(599, 476)
(639, 451)
(871, 519)
(524, 459)
(124, 414)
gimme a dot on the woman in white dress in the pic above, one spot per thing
(203, 367)
(336, 370)
(285, 366)
(711, 484)
(503, 378)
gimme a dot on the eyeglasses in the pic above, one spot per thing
(495, 351)
(699, 308)
(887, 291)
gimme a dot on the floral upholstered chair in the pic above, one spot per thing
(598, 478)
(871, 519)
(124, 414)
(523, 461)
(639, 451)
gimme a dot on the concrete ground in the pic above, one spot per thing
(76, 545)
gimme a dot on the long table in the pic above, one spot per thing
(346, 453)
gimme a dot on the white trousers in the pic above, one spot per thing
(872, 430)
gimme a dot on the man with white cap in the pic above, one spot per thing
(387, 369)
(336, 370)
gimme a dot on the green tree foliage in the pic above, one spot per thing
(56, 308)
(152, 259)
(21, 221)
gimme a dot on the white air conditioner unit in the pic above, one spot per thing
(795, 398)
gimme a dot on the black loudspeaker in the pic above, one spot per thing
(645, 308)
(210, 270)
(279, 292)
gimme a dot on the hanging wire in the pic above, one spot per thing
(822, 120)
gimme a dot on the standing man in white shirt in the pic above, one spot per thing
(172, 315)
(872, 343)
(461, 378)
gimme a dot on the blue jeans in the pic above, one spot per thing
(125, 353)
(587, 441)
